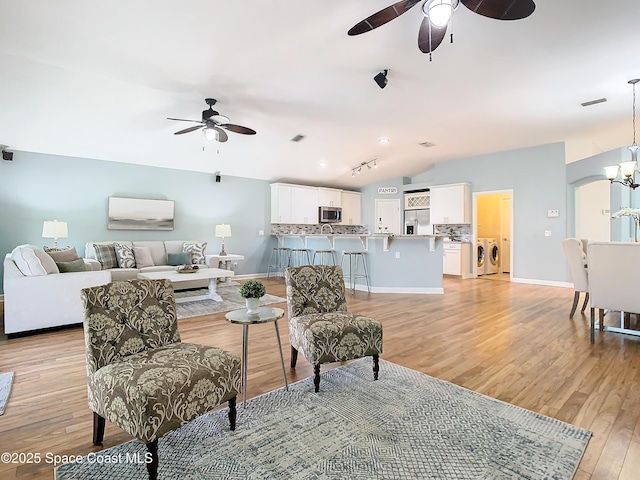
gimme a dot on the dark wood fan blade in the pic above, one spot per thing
(222, 135)
(383, 16)
(183, 120)
(426, 44)
(187, 130)
(238, 129)
(501, 9)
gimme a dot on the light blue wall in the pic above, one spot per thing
(537, 176)
(37, 187)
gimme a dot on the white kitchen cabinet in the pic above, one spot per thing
(293, 204)
(452, 259)
(329, 197)
(351, 208)
(450, 204)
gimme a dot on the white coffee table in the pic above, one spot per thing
(212, 274)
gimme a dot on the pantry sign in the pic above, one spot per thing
(387, 190)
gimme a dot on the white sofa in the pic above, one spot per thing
(43, 301)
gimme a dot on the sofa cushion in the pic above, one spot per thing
(76, 265)
(62, 254)
(124, 254)
(198, 252)
(31, 261)
(106, 255)
(176, 259)
(156, 247)
(143, 257)
(90, 252)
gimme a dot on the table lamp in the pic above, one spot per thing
(54, 229)
(223, 230)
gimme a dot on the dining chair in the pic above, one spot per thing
(613, 279)
(574, 250)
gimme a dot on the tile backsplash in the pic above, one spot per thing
(316, 229)
(457, 233)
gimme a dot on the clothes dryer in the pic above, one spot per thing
(481, 256)
(493, 255)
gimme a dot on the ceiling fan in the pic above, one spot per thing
(212, 124)
(437, 14)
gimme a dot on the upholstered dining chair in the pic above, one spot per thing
(319, 324)
(575, 252)
(141, 377)
(613, 279)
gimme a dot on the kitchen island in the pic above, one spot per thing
(396, 263)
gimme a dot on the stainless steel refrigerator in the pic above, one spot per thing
(417, 222)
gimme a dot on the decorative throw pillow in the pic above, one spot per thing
(106, 255)
(125, 256)
(76, 265)
(176, 259)
(197, 251)
(62, 254)
(143, 257)
(28, 260)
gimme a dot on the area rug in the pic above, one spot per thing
(231, 300)
(406, 425)
(6, 379)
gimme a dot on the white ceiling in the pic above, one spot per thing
(97, 79)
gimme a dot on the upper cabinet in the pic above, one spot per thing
(329, 197)
(294, 204)
(351, 208)
(451, 204)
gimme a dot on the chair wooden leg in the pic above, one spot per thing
(232, 413)
(576, 297)
(592, 333)
(586, 300)
(152, 466)
(376, 366)
(294, 357)
(316, 377)
(98, 429)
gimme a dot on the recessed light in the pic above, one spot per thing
(322, 164)
(383, 140)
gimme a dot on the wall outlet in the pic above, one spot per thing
(397, 254)
(547, 233)
(261, 233)
(553, 213)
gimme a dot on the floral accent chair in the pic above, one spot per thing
(319, 324)
(141, 377)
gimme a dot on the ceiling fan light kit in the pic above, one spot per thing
(439, 11)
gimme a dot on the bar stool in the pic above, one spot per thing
(355, 259)
(324, 257)
(278, 260)
(297, 257)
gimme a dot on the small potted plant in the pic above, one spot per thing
(252, 291)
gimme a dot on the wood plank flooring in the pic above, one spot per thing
(510, 341)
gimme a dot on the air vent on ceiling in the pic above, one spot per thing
(297, 138)
(428, 144)
(593, 102)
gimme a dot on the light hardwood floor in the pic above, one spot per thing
(510, 341)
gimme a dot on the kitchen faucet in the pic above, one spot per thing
(326, 225)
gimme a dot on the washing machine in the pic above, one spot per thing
(481, 256)
(492, 253)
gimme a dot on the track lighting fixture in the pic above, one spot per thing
(381, 78)
(370, 164)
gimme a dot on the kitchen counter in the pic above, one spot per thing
(364, 238)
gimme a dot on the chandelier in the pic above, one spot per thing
(627, 169)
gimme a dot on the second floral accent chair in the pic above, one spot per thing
(319, 324)
(141, 377)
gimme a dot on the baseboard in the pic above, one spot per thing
(410, 290)
(547, 283)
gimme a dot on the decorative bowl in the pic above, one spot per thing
(187, 269)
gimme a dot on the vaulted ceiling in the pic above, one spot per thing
(98, 79)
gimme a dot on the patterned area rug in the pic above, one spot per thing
(6, 379)
(406, 425)
(231, 300)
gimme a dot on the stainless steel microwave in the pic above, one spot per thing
(330, 214)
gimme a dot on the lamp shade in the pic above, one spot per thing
(223, 230)
(54, 229)
(627, 168)
(611, 171)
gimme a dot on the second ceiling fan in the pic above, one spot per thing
(437, 14)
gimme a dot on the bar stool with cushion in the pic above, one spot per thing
(278, 260)
(319, 324)
(357, 269)
(299, 257)
(325, 257)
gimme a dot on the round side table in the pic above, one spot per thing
(263, 315)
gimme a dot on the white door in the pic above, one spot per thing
(592, 211)
(505, 234)
(388, 216)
